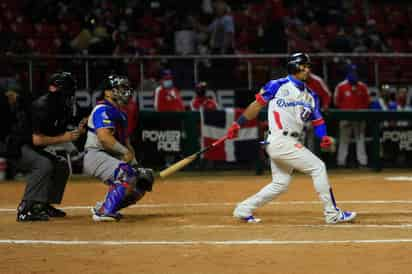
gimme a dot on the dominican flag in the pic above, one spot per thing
(215, 125)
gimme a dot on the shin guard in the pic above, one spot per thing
(114, 198)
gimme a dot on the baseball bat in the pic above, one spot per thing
(185, 161)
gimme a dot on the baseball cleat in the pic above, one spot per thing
(340, 217)
(245, 215)
(98, 217)
(251, 219)
(101, 217)
(54, 212)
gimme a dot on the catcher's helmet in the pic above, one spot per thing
(297, 59)
(120, 87)
(64, 83)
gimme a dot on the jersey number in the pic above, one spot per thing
(305, 114)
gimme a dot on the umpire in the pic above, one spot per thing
(46, 172)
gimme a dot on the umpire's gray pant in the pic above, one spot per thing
(46, 177)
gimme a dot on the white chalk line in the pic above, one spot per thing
(162, 205)
(222, 242)
(339, 226)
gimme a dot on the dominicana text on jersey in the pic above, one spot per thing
(291, 104)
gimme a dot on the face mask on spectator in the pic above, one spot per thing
(167, 83)
(352, 78)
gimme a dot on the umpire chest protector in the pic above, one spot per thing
(50, 114)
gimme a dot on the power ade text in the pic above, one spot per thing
(404, 138)
(167, 140)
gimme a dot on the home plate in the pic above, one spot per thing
(399, 178)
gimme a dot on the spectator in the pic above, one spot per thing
(402, 99)
(167, 96)
(341, 43)
(201, 101)
(221, 41)
(377, 102)
(317, 85)
(401, 104)
(185, 43)
(351, 94)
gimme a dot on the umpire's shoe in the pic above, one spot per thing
(36, 212)
(54, 212)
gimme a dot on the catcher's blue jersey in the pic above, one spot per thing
(105, 115)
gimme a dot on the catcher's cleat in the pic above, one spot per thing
(54, 212)
(99, 216)
(339, 217)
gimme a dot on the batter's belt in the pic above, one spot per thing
(293, 134)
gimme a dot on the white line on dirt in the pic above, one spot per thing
(223, 242)
(231, 204)
(339, 226)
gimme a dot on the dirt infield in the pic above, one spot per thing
(185, 226)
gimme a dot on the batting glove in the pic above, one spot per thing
(327, 143)
(233, 131)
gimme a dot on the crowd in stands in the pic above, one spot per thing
(149, 27)
(154, 27)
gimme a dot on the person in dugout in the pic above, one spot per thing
(167, 95)
(201, 101)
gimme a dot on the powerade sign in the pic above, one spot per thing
(225, 98)
(164, 140)
(401, 136)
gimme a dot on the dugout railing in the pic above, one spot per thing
(251, 70)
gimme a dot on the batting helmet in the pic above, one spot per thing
(63, 82)
(120, 87)
(297, 59)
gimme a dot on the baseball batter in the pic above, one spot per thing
(290, 105)
(109, 154)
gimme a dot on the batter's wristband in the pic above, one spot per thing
(241, 120)
(119, 148)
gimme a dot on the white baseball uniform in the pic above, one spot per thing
(290, 105)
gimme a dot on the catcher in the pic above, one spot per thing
(109, 154)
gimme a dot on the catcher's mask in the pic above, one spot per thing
(119, 85)
(296, 60)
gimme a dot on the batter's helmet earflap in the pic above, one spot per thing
(64, 83)
(297, 59)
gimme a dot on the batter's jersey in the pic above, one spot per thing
(291, 104)
(106, 115)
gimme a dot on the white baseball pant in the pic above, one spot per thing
(287, 154)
